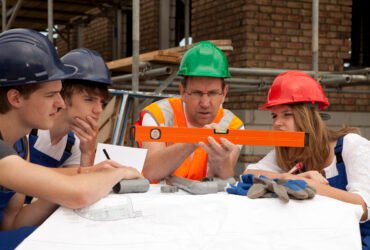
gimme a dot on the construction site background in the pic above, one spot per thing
(264, 33)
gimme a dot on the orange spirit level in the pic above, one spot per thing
(242, 137)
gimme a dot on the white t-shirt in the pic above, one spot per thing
(356, 158)
(43, 144)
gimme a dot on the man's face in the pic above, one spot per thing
(40, 108)
(202, 97)
(82, 104)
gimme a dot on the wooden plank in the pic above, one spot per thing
(224, 45)
(128, 60)
(166, 59)
(105, 132)
(171, 55)
(108, 112)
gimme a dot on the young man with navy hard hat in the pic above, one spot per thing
(203, 90)
(72, 139)
(30, 85)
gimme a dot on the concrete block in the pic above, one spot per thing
(359, 119)
(262, 117)
(245, 115)
(354, 119)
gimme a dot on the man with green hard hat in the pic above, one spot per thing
(203, 90)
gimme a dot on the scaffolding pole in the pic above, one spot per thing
(265, 71)
(315, 37)
(149, 73)
(119, 32)
(135, 54)
(14, 11)
(50, 20)
(3, 5)
(135, 44)
(187, 21)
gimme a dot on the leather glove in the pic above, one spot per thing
(264, 187)
(256, 187)
(297, 189)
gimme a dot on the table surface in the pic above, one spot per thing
(213, 221)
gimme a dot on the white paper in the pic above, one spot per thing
(128, 156)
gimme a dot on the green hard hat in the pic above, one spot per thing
(204, 59)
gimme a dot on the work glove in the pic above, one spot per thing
(297, 189)
(241, 187)
(264, 187)
(283, 189)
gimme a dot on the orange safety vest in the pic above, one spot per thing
(169, 113)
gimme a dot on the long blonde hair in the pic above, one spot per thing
(308, 119)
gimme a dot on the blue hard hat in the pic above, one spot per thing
(90, 65)
(28, 57)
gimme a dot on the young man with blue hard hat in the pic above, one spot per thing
(203, 90)
(72, 139)
(30, 85)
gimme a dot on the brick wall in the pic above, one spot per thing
(149, 25)
(276, 33)
(96, 35)
(222, 20)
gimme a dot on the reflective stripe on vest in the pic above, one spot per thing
(169, 113)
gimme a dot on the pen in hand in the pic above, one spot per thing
(106, 153)
(118, 185)
(296, 167)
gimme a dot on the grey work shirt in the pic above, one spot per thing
(6, 150)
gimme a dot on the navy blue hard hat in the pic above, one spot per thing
(90, 65)
(28, 57)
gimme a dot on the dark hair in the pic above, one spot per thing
(24, 90)
(72, 86)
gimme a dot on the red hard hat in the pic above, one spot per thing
(295, 87)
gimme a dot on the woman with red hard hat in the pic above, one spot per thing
(335, 163)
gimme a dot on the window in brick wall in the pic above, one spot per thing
(128, 34)
(360, 51)
(180, 21)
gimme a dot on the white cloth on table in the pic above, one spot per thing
(214, 221)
